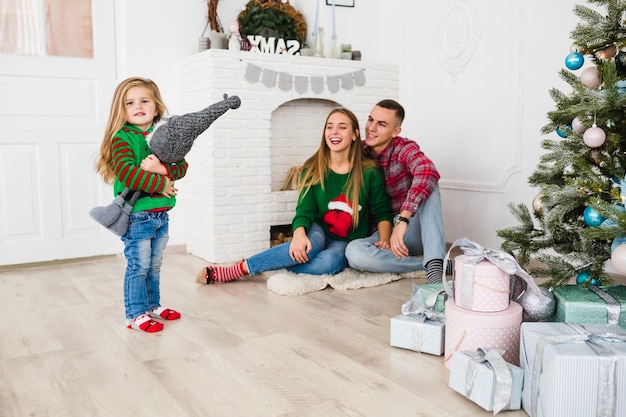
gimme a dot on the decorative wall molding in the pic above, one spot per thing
(460, 28)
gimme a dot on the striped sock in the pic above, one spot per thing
(228, 273)
(434, 271)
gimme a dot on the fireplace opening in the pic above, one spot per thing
(280, 234)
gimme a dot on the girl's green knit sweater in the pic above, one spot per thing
(129, 147)
(330, 208)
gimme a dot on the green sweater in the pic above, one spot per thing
(129, 147)
(333, 212)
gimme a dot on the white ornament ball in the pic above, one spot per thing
(591, 77)
(618, 258)
(537, 205)
(577, 125)
(594, 137)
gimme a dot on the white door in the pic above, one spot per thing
(53, 110)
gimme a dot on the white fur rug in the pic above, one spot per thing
(287, 283)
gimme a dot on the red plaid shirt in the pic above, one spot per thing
(410, 176)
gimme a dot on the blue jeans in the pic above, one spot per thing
(326, 256)
(144, 242)
(424, 238)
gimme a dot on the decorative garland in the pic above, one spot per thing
(277, 17)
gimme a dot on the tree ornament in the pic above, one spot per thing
(591, 77)
(578, 126)
(583, 277)
(607, 53)
(537, 203)
(594, 136)
(574, 61)
(592, 217)
(538, 307)
(618, 258)
(561, 132)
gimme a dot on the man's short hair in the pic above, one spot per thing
(393, 105)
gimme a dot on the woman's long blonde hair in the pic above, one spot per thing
(117, 119)
(315, 169)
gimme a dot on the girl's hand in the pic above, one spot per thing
(381, 244)
(300, 246)
(169, 191)
(152, 164)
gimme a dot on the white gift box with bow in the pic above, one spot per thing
(419, 327)
(487, 380)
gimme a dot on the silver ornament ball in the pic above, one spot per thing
(538, 306)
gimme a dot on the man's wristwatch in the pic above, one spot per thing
(397, 219)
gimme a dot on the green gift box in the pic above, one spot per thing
(427, 289)
(576, 304)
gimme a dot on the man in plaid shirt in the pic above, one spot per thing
(417, 240)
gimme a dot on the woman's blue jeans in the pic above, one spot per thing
(326, 256)
(144, 242)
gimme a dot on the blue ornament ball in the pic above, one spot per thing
(592, 217)
(561, 132)
(574, 61)
(583, 277)
(595, 281)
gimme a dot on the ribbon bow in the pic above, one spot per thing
(421, 311)
(504, 380)
(543, 303)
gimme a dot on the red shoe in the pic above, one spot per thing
(164, 313)
(144, 323)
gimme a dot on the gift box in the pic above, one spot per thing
(487, 380)
(576, 304)
(409, 332)
(480, 286)
(428, 291)
(470, 330)
(573, 370)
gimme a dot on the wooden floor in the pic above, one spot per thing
(239, 350)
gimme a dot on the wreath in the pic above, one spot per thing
(272, 18)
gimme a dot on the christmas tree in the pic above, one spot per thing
(578, 219)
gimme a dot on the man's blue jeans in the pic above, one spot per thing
(326, 256)
(424, 237)
(144, 242)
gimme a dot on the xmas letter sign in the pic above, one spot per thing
(273, 46)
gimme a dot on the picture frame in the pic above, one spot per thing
(341, 3)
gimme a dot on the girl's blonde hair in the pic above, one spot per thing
(315, 169)
(117, 119)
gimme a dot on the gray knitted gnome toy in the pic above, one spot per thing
(170, 142)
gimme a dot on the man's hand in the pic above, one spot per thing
(397, 240)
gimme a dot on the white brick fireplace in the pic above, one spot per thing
(231, 193)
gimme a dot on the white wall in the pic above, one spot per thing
(481, 129)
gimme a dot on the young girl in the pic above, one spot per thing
(125, 161)
(340, 191)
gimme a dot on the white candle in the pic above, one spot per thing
(334, 27)
(317, 12)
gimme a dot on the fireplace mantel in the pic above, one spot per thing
(228, 201)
